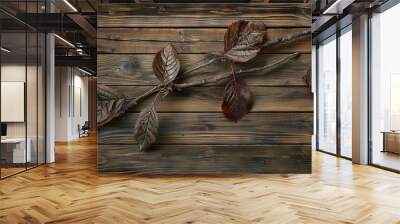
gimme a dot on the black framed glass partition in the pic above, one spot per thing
(22, 78)
(385, 87)
(13, 90)
(334, 93)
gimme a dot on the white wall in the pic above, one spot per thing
(33, 126)
(62, 81)
(14, 73)
(81, 104)
(71, 102)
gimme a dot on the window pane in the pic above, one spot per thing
(31, 98)
(327, 95)
(41, 98)
(14, 153)
(385, 89)
(346, 93)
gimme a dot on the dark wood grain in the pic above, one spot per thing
(214, 128)
(205, 159)
(190, 40)
(202, 15)
(204, 10)
(194, 136)
(208, 99)
(136, 69)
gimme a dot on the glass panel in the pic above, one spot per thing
(13, 89)
(385, 89)
(31, 98)
(346, 93)
(41, 99)
(327, 95)
(22, 88)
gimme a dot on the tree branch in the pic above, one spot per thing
(211, 58)
(286, 39)
(130, 102)
(220, 77)
(267, 68)
(120, 106)
(133, 101)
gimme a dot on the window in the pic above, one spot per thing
(385, 89)
(334, 94)
(346, 72)
(22, 101)
(326, 104)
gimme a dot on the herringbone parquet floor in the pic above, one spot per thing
(71, 191)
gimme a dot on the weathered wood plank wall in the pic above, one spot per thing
(194, 136)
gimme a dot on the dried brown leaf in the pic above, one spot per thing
(238, 100)
(166, 64)
(243, 40)
(110, 105)
(146, 127)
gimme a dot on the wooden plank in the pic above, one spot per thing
(208, 99)
(204, 159)
(194, 136)
(117, 69)
(203, 9)
(217, 22)
(151, 40)
(200, 15)
(214, 128)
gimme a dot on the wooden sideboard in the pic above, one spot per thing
(391, 142)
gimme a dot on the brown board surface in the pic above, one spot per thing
(194, 136)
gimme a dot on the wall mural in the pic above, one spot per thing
(243, 41)
(179, 152)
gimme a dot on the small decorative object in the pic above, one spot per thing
(243, 41)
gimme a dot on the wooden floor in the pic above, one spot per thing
(5, 172)
(71, 191)
(387, 159)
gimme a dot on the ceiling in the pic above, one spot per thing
(332, 15)
(73, 20)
